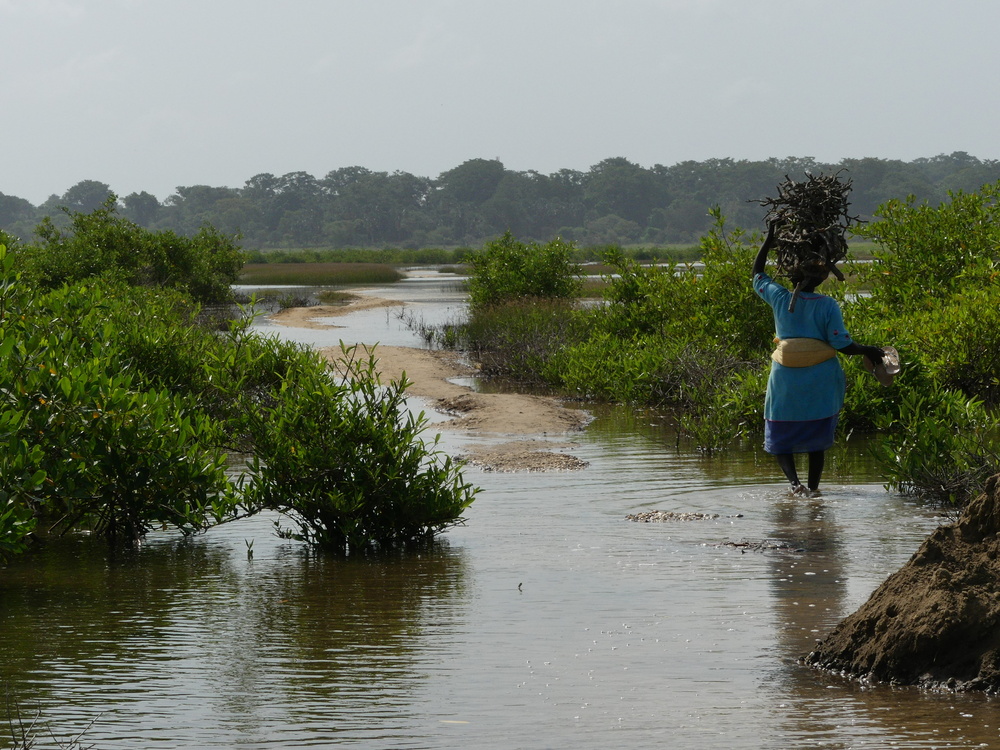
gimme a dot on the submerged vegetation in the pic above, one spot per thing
(694, 338)
(120, 411)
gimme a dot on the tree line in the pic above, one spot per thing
(615, 202)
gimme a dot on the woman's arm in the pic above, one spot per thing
(872, 352)
(761, 260)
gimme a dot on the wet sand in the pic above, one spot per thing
(309, 317)
(532, 420)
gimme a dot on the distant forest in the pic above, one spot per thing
(614, 202)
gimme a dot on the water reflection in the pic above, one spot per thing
(806, 581)
(812, 589)
(547, 621)
(287, 644)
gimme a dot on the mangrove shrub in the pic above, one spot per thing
(343, 457)
(695, 338)
(119, 413)
(935, 296)
(102, 242)
(506, 269)
(86, 441)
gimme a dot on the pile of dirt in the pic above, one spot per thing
(935, 622)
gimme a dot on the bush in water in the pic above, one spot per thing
(86, 442)
(506, 270)
(118, 413)
(345, 460)
(939, 445)
(935, 296)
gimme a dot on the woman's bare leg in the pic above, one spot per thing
(816, 460)
(786, 461)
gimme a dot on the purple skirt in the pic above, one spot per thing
(799, 437)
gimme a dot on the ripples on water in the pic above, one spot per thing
(547, 621)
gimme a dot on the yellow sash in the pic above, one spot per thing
(802, 352)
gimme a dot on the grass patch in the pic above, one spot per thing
(423, 257)
(334, 297)
(863, 250)
(319, 274)
(593, 287)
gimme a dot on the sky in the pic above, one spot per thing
(149, 95)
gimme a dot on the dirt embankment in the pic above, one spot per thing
(532, 420)
(935, 622)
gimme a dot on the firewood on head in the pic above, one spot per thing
(810, 221)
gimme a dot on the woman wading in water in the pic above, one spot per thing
(805, 390)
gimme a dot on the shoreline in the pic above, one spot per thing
(525, 425)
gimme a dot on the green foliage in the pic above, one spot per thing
(101, 242)
(642, 299)
(935, 296)
(506, 270)
(517, 340)
(118, 412)
(87, 443)
(725, 407)
(19, 462)
(19, 458)
(604, 366)
(141, 460)
(720, 306)
(934, 252)
(344, 459)
(707, 299)
(940, 445)
(954, 341)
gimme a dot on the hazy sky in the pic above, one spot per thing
(152, 94)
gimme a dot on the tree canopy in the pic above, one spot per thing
(614, 202)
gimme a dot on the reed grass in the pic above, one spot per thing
(593, 287)
(319, 274)
(423, 257)
(333, 297)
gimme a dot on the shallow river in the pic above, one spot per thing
(547, 621)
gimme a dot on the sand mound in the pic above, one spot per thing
(522, 456)
(936, 621)
(431, 373)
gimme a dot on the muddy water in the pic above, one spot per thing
(547, 621)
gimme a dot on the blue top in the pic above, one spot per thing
(816, 316)
(804, 393)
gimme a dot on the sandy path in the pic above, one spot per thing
(534, 420)
(308, 317)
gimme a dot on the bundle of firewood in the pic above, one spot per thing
(810, 222)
